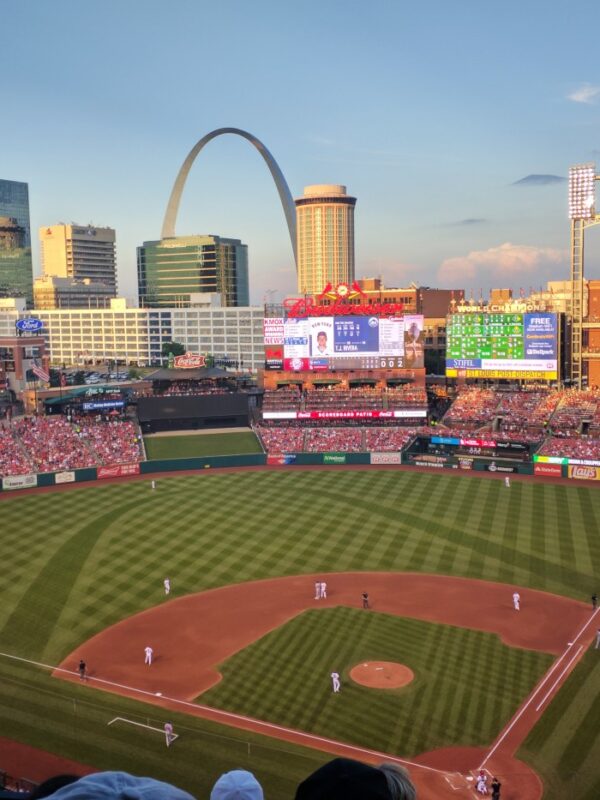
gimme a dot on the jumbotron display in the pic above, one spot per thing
(348, 342)
(515, 346)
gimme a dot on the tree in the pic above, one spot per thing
(173, 349)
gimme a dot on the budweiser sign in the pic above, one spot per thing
(342, 302)
(189, 361)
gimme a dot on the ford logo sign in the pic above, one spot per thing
(29, 324)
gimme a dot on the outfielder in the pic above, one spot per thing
(167, 585)
(335, 682)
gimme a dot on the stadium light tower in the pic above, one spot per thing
(582, 213)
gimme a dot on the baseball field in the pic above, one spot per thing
(81, 563)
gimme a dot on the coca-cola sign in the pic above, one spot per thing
(189, 361)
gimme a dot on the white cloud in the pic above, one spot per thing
(585, 94)
(503, 262)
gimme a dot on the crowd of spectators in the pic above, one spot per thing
(580, 447)
(297, 438)
(473, 405)
(53, 443)
(334, 780)
(344, 440)
(190, 388)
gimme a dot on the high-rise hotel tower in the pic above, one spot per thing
(325, 225)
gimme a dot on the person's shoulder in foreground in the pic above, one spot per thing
(121, 785)
(239, 784)
(345, 779)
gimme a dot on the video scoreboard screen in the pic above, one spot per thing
(516, 346)
(345, 342)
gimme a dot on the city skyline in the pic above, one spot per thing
(454, 127)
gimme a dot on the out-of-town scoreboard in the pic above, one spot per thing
(505, 345)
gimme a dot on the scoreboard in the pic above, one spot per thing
(522, 346)
(344, 342)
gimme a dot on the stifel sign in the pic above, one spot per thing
(298, 307)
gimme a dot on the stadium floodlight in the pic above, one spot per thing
(581, 191)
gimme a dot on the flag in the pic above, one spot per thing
(40, 372)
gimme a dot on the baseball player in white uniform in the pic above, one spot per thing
(517, 601)
(168, 733)
(317, 590)
(167, 585)
(323, 590)
(507, 482)
(335, 682)
(149, 652)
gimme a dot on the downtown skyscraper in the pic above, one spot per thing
(16, 266)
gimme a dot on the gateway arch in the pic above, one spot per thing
(287, 202)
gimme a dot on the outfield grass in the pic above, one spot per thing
(205, 444)
(76, 561)
(467, 683)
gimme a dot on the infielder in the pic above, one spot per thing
(168, 733)
(167, 585)
(323, 590)
(517, 601)
(317, 590)
(597, 645)
(81, 669)
(149, 652)
(335, 682)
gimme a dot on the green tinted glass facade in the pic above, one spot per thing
(16, 266)
(16, 273)
(171, 269)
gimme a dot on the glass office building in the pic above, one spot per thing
(16, 265)
(170, 270)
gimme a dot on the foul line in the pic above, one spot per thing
(172, 736)
(551, 689)
(539, 688)
(218, 713)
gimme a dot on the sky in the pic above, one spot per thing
(453, 124)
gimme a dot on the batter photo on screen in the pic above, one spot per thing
(413, 343)
(321, 340)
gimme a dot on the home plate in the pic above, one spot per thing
(470, 778)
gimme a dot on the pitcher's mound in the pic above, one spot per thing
(382, 674)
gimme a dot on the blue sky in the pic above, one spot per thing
(431, 115)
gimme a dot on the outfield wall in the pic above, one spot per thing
(149, 468)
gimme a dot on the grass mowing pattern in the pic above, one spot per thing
(77, 561)
(204, 444)
(467, 683)
(571, 762)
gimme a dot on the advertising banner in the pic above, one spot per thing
(582, 473)
(281, 459)
(334, 458)
(548, 470)
(426, 460)
(118, 471)
(386, 458)
(465, 462)
(550, 459)
(401, 413)
(189, 361)
(493, 467)
(99, 405)
(64, 477)
(273, 330)
(19, 482)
